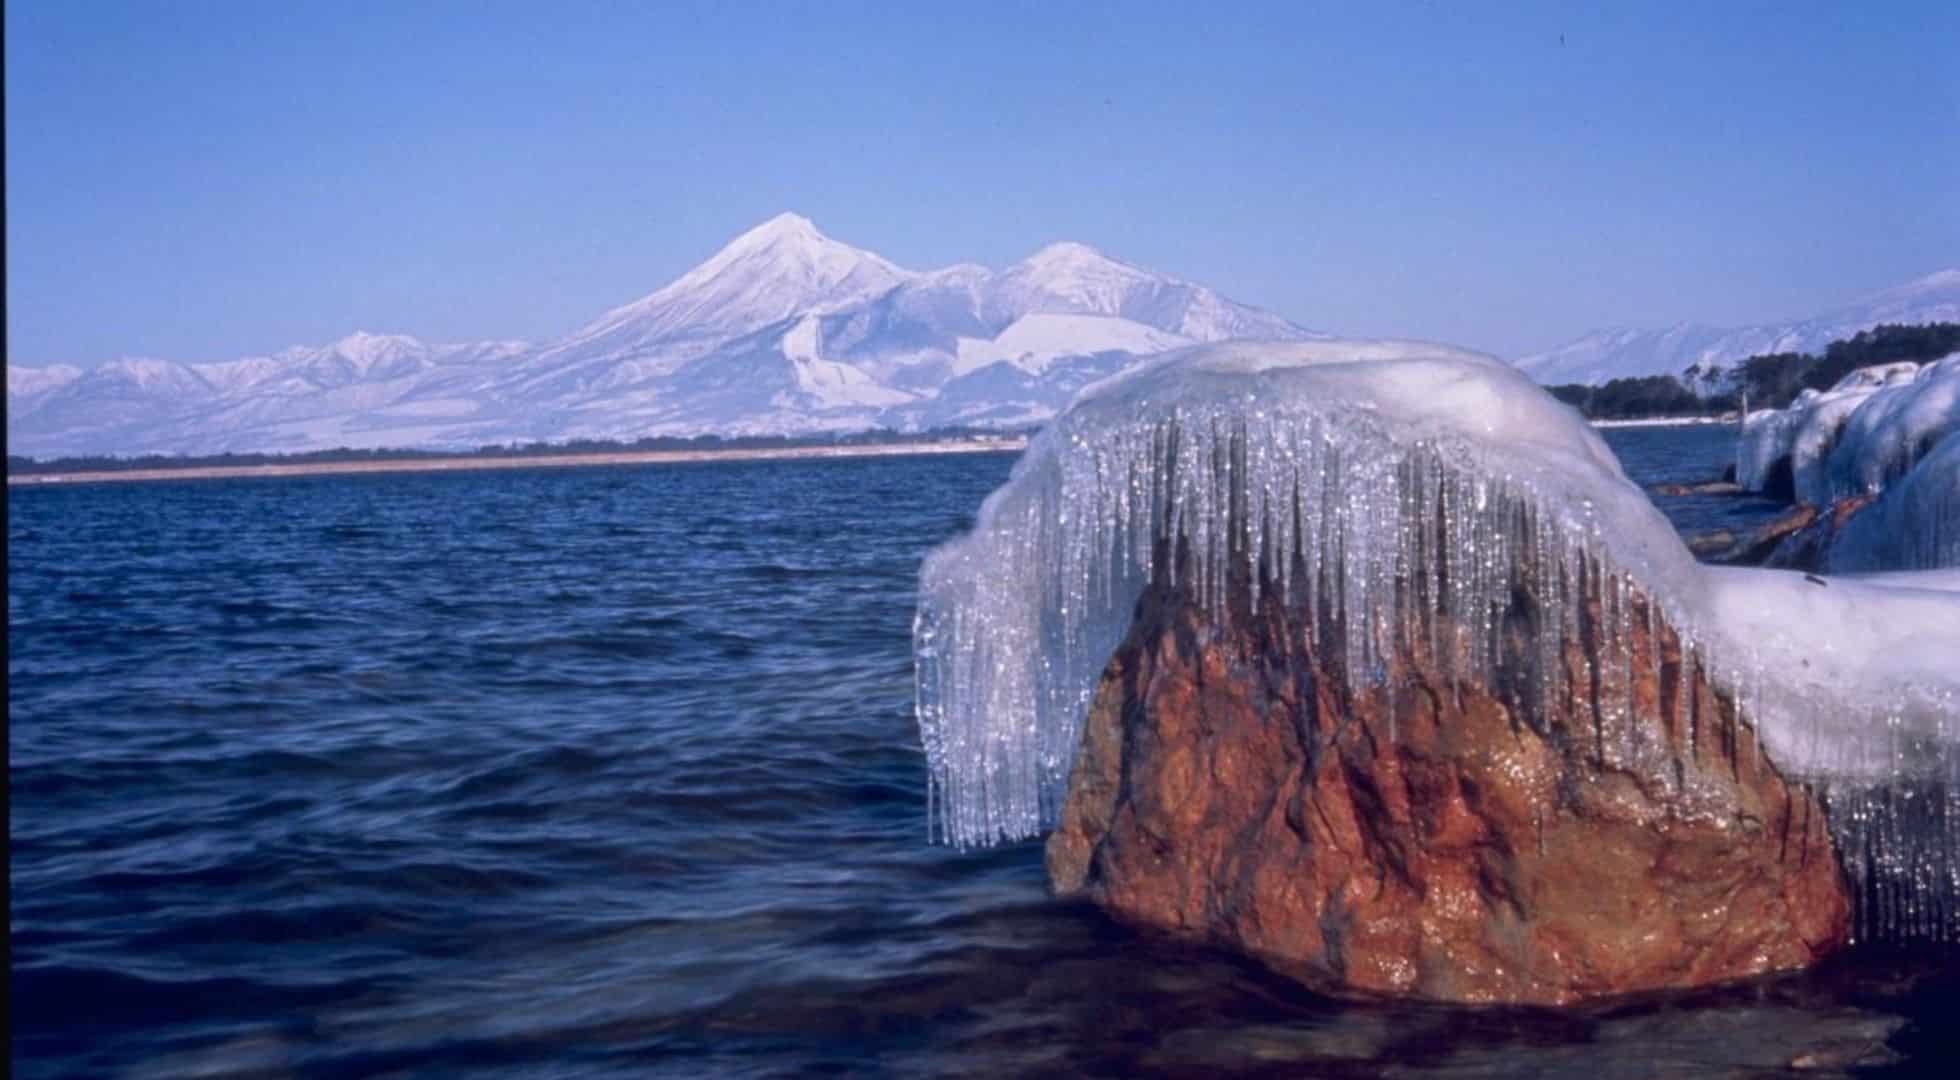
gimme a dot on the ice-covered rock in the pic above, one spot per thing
(1786, 451)
(1894, 427)
(1405, 500)
(1874, 432)
(1762, 455)
(1854, 438)
(1815, 434)
(1914, 525)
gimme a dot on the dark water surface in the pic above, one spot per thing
(612, 771)
(1690, 454)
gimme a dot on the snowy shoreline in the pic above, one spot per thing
(464, 464)
(1664, 421)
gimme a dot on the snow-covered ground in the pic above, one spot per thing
(1662, 421)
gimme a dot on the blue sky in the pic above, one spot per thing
(202, 181)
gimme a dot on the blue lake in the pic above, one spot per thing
(613, 771)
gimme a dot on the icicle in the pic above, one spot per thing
(1398, 505)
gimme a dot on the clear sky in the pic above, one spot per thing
(203, 181)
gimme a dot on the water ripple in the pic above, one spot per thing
(596, 771)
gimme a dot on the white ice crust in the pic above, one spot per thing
(1894, 428)
(1767, 435)
(1806, 431)
(1350, 471)
(1856, 438)
(1914, 525)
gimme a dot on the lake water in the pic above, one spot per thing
(613, 771)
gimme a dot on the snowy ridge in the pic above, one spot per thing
(784, 330)
(1033, 343)
(1604, 355)
(25, 383)
(1070, 277)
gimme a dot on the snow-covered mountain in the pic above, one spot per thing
(367, 390)
(1612, 354)
(783, 331)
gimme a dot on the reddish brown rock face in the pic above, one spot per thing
(1808, 548)
(1756, 547)
(1421, 839)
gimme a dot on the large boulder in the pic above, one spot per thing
(1415, 837)
(1430, 700)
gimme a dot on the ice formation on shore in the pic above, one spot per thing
(1893, 429)
(1914, 525)
(1856, 438)
(1389, 488)
(1767, 436)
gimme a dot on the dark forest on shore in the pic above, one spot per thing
(25, 466)
(1765, 381)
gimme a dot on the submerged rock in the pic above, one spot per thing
(1708, 544)
(1705, 487)
(1809, 548)
(1755, 547)
(1418, 838)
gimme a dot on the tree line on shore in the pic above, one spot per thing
(25, 466)
(1765, 381)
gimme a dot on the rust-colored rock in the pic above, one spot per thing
(1706, 487)
(1808, 547)
(1420, 838)
(1756, 546)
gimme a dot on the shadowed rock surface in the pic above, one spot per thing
(1419, 838)
(1755, 547)
(1809, 547)
(1710, 487)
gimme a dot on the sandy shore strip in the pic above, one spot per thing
(1002, 444)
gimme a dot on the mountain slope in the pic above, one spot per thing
(784, 330)
(1076, 278)
(780, 268)
(1603, 355)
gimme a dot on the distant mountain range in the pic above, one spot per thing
(783, 331)
(1612, 354)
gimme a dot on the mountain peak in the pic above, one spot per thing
(786, 226)
(781, 267)
(1066, 252)
(1070, 267)
(793, 241)
(362, 341)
